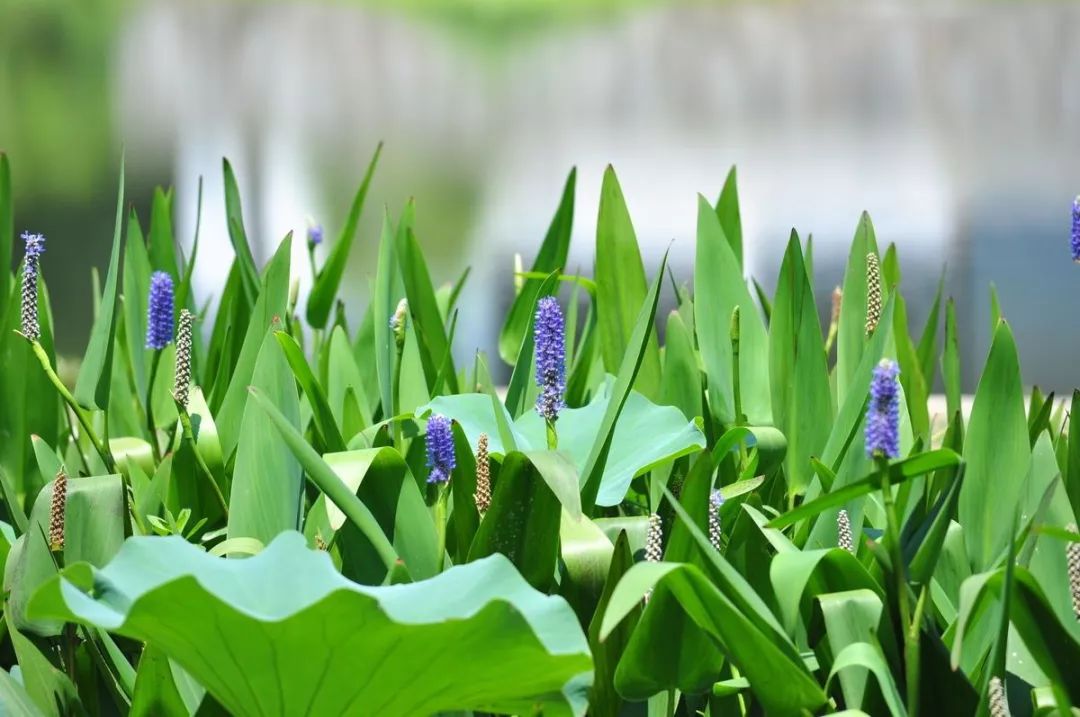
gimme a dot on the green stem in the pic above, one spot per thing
(150, 427)
(672, 702)
(84, 418)
(736, 383)
(395, 391)
(552, 436)
(440, 527)
(189, 435)
(910, 631)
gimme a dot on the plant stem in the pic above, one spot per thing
(552, 436)
(150, 427)
(910, 631)
(736, 383)
(84, 419)
(440, 527)
(189, 435)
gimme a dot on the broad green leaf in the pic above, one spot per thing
(323, 476)
(345, 383)
(851, 337)
(850, 616)
(604, 701)
(727, 211)
(645, 435)
(156, 693)
(50, 689)
(776, 675)
(621, 288)
(550, 258)
(719, 287)
(93, 532)
(522, 523)
(269, 308)
(997, 454)
(321, 298)
(928, 341)
(865, 656)
(162, 244)
(798, 374)
(383, 305)
(14, 700)
(381, 481)
(636, 355)
(798, 576)
(95, 373)
(287, 607)
(267, 480)
(234, 217)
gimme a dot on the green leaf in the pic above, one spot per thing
(93, 532)
(7, 231)
(381, 481)
(234, 216)
(383, 305)
(604, 701)
(916, 392)
(162, 243)
(156, 693)
(424, 308)
(798, 374)
(776, 675)
(851, 337)
(267, 481)
(950, 361)
(997, 454)
(95, 373)
(719, 287)
(270, 307)
(864, 656)
(1071, 478)
(325, 288)
(418, 641)
(727, 211)
(550, 258)
(322, 415)
(680, 384)
(522, 522)
(323, 476)
(621, 288)
(928, 342)
(137, 271)
(14, 700)
(50, 689)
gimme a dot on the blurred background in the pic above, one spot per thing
(955, 124)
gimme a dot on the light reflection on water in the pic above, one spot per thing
(954, 124)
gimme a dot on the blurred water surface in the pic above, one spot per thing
(954, 124)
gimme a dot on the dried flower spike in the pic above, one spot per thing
(440, 449)
(883, 414)
(654, 544)
(716, 500)
(1075, 239)
(550, 342)
(182, 381)
(159, 311)
(483, 475)
(35, 247)
(1072, 555)
(57, 510)
(843, 532)
(320, 544)
(837, 302)
(873, 292)
(998, 702)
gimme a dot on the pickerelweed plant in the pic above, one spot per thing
(752, 516)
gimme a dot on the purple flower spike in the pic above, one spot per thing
(550, 341)
(883, 415)
(1076, 231)
(440, 449)
(159, 315)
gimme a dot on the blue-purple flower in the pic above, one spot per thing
(550, 342)
(159, 314)
(883, 414)
(1076, 230)
(35, 247)
(314, 234)
(440, 449)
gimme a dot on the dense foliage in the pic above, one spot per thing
(267, 511)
